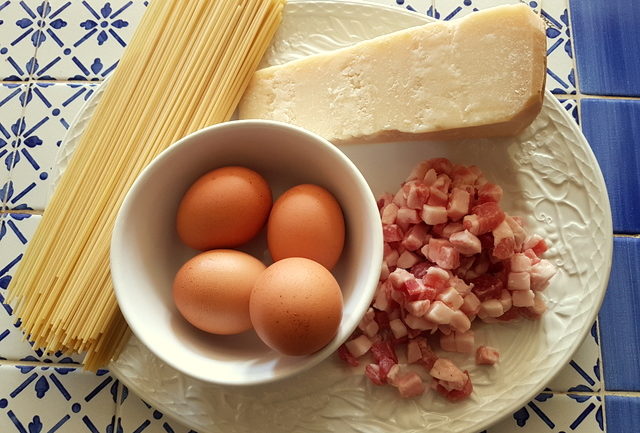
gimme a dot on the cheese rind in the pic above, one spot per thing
(480, 76)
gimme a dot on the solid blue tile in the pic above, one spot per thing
(619, 325)
(612, 127)
(606, 41)
(623, 414)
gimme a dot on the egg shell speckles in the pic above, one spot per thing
(306, 221)
(296, 306)
(212, 290)
(224, 208)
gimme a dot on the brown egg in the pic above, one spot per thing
(212, 290)
(296, 306)
(224, 208)
(306, 221)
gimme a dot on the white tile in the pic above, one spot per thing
(450, 9)
(555, 413)
(50, 110)
(88, 38)
(21, 35)
(583, 372)
(16, 229)
(560, 64)
(135, 415)
(12, 98)
(60, 400)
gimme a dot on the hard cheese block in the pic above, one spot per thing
(480, 76)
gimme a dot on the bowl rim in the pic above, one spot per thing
(370, 283)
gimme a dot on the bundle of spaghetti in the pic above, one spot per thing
(186, 67)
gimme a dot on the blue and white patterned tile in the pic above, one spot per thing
(561, 77)
(571, 105)
(12, 100)
(583, 373)
(450, 9)
(57, 399)
(20, 27)
(16, 230)
(50, 109)
(135, 415)
(555, 413)
(88, 40)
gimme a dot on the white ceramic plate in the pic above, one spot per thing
(549, 176)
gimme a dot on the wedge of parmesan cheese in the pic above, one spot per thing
(479, 76)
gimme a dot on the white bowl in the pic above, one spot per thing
(146, 252)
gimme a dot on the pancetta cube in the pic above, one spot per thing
(458, 205)
(460, 321)
(487, 355)
(465, 341)
(541, 274)
(519, 281)
(490, 308)
(523, 298)
(466, 243)
(442, 253)
(452, 298)
(433, 215)
(471, 304)
(389, 213)
(439, 313)
(504, 244)
(520, 263)
(398, 328)
(417, 196)
(407, 259)
(418, 308)
(410, 385)
(489, 192)
(359, 345)
(392, 233)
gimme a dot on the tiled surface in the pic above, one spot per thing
(38, 399)
(607, 41)
(619, 326)
(623, 414)
(613, 130)
(54, 52)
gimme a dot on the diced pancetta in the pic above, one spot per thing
(433, 215)
(504, 244)
(439, 313)
(415, 237)
(359, 345)
(465, 341)
(489, 216)
(523, 298)
(460, 321)
(491, 308)
(407, 259)
(520, 263)
(519, 233)
(458, 205)
(451, 228)
(487, 355)
(417, 196)
(471, 305)
(413, 352)
(399, 277)
(418, 308)
(392, 233)
(410, 385)
(505, 300)
(389, 213)
(541, 274)
(519, 281)
(461, 287)
(398, 328)
(442, 253)
(465, 243)
(489, 192)
(415, 322)
(452, 298)
(446, 371)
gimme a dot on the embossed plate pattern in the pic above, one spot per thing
(549, 176)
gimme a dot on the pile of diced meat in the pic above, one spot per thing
(451, 256)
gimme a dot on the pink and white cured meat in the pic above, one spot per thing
(452, 256)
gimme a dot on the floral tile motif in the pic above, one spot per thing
(135, 415)
(56, 399)
(12, 100)
(50, 109)
(16, 229)
(583, 373)
(87, 39)
(21, 36)
(555, 413)
(560, 65)
(571, 105)
(450, 9)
